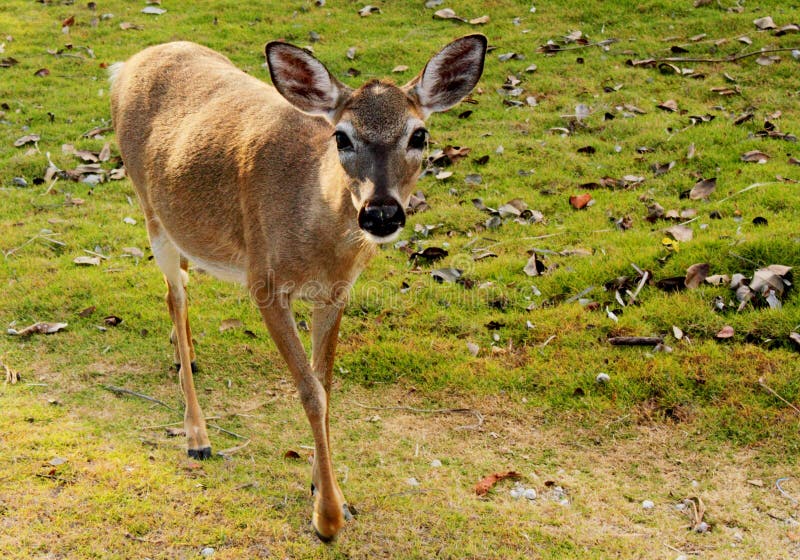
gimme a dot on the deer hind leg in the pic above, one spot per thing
(330, 512)
(171, 263)
(173, 335)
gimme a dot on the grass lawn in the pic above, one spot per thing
(706, 420)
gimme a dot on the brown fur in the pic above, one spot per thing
(231, 175)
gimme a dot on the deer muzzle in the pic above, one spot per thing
(381, 217)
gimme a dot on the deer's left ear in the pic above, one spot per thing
(450, 75)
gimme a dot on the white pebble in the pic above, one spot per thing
(207, 552)
(648, 504)
(436, 463)
(602, 377)
(412, 481)
(702, 527)
(516, 492)
(529, 494)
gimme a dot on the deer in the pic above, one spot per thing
(287, 189)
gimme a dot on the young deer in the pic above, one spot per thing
(286, 190)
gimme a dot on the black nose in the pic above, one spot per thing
(381, 217)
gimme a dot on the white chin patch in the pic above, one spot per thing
(381, 240)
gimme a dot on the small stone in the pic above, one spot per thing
(602, 377)
(648, 504)
(207, 552)
(20, 182)
(128, 220)
(516, 492)
(436, 463)
(412, 481)
(529, 494)
(701, 527)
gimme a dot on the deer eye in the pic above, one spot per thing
(343, 143)
(418, 139)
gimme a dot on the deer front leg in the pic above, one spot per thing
(328, 516)
(325, 322)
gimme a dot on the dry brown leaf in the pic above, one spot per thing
(580, 201)
(703, 189)
(27, 139)
(725, 333)
(680, 233)
(786, 29)
(479, 20)
(448, 13)
(695, 275)
(669, 105)
(39, 328)
(483, 487)
(126, 25)
(764, 23)
(755, 156)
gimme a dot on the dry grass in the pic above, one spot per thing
(125, 490)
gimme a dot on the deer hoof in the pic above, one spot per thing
(195, 367)
(200, 454)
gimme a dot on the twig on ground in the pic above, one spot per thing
(732, 58)
(551, 49)
(224, 431)
(775, 394)
(635, 340)
(123, 391)
(472, 411)
(784, 492)
(232, 450)
(679, 551)
(546, 342)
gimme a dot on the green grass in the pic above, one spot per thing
(663, 420)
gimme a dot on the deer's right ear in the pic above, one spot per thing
(304, 81)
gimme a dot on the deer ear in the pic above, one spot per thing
(450, 75)
(304, 81)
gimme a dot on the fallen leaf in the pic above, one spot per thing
(447, 13)
(42, 72)
(764, 23)
(87, 261)
(442, 275)
(695, 275)
(429, 255)
(662, 168)
(479, 20)
(534, 266)
(669, 105)
(580, 201)
(27, 139)
(153, 10)
(786, 29)
(291, 454)
(126, 25)
(399, 68)
(87, 312)
(680, 233)
(765, 60)
(755, 156)
(473, 348)
(718, 279)
(795, 337)
(703, 189)
(482, 488)
(725, 333)
(112, 320)
(39, 328)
